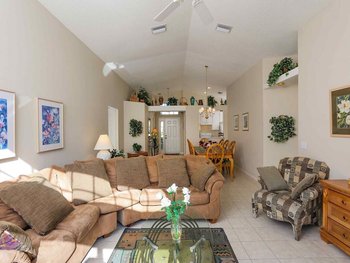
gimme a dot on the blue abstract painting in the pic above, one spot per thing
(3, 124)
(50, 125)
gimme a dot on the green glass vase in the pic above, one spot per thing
(176, 229)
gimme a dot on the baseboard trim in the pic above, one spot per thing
(247, 173)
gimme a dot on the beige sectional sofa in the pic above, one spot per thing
(74, 236)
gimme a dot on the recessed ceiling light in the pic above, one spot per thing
(159, 29)
(205, 92)
(223, 28)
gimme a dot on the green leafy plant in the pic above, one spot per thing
(212, 102)
(283, 128)
(116, 153)
(144, 96)
(136, 128)
(172, 101)
(136, 147)
(279, 69)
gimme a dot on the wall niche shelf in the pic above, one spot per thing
(288, 79)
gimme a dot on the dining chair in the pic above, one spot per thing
(225, 144)
(221, 142)
(191, 147)
(229, 160)
(216, 153)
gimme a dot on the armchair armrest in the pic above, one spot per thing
(216, 177)
(311, 193)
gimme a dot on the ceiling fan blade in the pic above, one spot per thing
(167, 11)
(203, 11)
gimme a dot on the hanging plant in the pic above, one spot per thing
(283, 128)
(136, 128)
(279, 69)
(144, 96)
(172, 101)
(136, 147)
(212, 102)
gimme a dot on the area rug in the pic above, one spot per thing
(123, 251)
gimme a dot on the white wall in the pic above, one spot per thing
(278, 101)
(41, 58)
(245, 95)
(324, 58)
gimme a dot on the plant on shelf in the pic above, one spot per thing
(279, 69)
(116, 153)
(283, 128)
(212, 102)
(172, 101)
(136, 147)
(135, 128)
(174, 209)
(144, 96)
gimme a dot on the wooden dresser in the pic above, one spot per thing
(336, 214)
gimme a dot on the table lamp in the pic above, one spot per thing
(103, 145)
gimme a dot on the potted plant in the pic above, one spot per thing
(172, 101)
(116, 153)
(212, 102)
(144, 96)
(136, 147)
(279, 69)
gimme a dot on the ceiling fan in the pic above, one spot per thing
(198, 5)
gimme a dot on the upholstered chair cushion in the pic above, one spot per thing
(172, 171)
(307, 182)
(272, 178)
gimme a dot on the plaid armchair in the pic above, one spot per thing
(280, 206)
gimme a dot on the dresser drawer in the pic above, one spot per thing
(339, 199)
(339, 231)
(339, 215)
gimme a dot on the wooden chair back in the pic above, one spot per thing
(225, 144)
(191, 147)
(231, 148)
(216, 153)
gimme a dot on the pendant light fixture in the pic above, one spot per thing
(206, 111)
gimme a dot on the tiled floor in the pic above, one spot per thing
(254, 240)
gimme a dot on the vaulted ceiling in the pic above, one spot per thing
(120, 31)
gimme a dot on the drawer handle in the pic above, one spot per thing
(344, 218)
(343, 202)
(345, 236)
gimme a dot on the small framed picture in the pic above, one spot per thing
(245, 121)
(340, 112)
(236, 122)
(50, 125)
(7, 124)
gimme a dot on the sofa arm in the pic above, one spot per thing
(311, 193)
(216, 177)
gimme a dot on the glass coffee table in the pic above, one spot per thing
(158, 246)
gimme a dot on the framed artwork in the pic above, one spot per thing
(245, 121)
(340, 112)
(236, 122)
(50, 125)
(7, 124)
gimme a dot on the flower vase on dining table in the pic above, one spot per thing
(176, 229)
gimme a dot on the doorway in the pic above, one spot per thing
(170, 135)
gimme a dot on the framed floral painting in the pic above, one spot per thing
(7, 124)
(245, 121)
(236, 122)
(340, 112)
(50, 125)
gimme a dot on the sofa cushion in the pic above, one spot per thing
(195, 162)
(7, 213)
(12, 237)
(43, 212)
(307, 182)
(149, 196)
(55, 247)
(80, 221)
(110, 166)
(197, 197)
(14, 256)
(89, 181)
(117, 201)
(172, 171)
(132, 173)
(152, 167)
(272, 178)
(201, 176)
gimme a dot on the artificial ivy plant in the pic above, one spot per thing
(144, 96)
(136, 147)
(212, 102)
(116, 153)
(279, 69)
(136, 128)
(283, 128)
(172, 101)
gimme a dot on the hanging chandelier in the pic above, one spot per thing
(206, 111)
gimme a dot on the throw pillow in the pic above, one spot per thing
(195, 162)
(13, 237)
(132, 173)
(152, 167)
(307, 182)
(272, 178)
(201, 176)
(172, 171)
(110, 166)
(40, 206)
(89, 181)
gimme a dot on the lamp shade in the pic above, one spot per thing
(103, 143)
